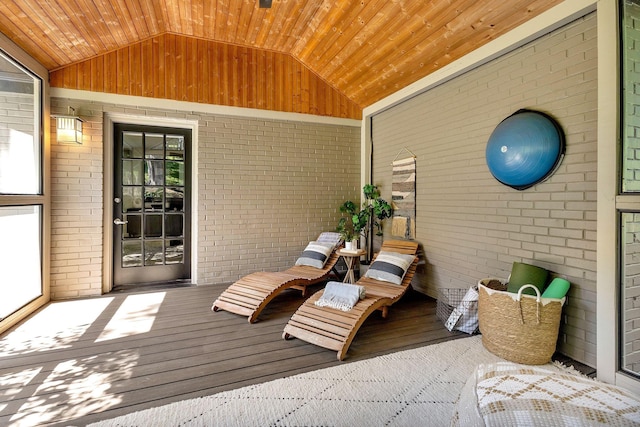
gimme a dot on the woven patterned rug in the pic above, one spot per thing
(412, 387)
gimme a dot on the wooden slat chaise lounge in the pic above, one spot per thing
(251, 294)
(335, 329)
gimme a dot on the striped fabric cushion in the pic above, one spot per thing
(389, 267)
(315, 254)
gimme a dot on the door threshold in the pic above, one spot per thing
(142, 287)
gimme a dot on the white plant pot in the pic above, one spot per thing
(348, 246)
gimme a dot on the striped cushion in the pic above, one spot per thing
(315, 254)
(389, 267)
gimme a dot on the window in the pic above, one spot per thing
(628, 205)
(22, 201)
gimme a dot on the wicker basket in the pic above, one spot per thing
(519, 328)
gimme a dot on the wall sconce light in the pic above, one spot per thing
(69, 128)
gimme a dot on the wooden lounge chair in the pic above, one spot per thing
(335, 329)
(251, 294)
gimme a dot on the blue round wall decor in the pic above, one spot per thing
(525, 148)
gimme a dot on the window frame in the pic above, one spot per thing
(42, 199)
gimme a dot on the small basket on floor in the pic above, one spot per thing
(452, 300)
(448, 299)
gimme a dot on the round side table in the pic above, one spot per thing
(351, 259)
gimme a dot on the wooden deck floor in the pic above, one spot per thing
(77, 362)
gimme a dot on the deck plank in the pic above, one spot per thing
(75, 377)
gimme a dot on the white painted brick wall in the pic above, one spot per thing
(76, 215)
(266, 188)
(470, 225)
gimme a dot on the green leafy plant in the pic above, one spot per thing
(354, 224)
(360, 221)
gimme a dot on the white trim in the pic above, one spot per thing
(552, 19)
(365, 153)
(24, 58)
(109, 120)
(222, 110)
(608, 141)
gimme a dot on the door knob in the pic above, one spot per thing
(118, 221)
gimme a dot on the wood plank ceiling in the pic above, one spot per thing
(364, 50)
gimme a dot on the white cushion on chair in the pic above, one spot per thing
(330, 237)
(390, 267)
(315, 254)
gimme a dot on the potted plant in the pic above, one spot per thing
(353, 225)
(360, 221)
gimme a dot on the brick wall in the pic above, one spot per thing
(265, 188)
(470, 225)
(76, 212)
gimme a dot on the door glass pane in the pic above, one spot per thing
(132, 253)
(154, 146)
(175, 147)
(154, 172)
(175, 199)
(132, 172)
(132, 145)
(153, 252)
(153, 225)
(175, 173)
(133, 228)
(153, 198)
(20, 149)
(20, 257)
(131, 199)
(173, 225)
(174, 252)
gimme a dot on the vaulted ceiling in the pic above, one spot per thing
(364, 49)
